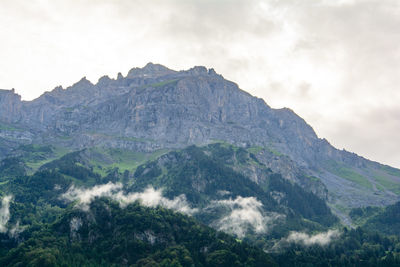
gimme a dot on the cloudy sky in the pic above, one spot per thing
(335, 63)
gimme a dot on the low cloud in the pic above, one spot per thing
(86, 195)
(15, 230)
(321, 239)
(5, 227)
(240, 216)
(149, 198)
(5, 213)
(244, 214)
(153, 198)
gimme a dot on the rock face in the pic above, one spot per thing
(155, 107)
(10, 104)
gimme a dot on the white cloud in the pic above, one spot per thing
(153, 198)
(5, 227)
(318, 239)
(86, 195)
(16, 229)
(149, 198)
(244, 214)
(5, 213)
(74, 225)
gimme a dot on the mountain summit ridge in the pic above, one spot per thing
(158, 108)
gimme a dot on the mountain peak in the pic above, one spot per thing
(9, 94)
(58, 89)
(8, 91)
(154, 67)
(150, 70)
(104, 80)
(83, 83)
(198, 70)
(10, 104)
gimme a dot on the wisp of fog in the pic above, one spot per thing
(149, 197)
(5, 213)
(245, 214)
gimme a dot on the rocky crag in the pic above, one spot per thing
(155, 108)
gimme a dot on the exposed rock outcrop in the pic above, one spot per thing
(10, 105)
(155, 107)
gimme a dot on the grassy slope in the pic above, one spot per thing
(347, 173)
(121, 159)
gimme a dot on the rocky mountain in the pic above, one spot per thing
(155, 108)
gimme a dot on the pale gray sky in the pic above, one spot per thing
(335, 63)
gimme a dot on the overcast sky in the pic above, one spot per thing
(335, 63)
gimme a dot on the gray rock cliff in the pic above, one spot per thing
(155, 107)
